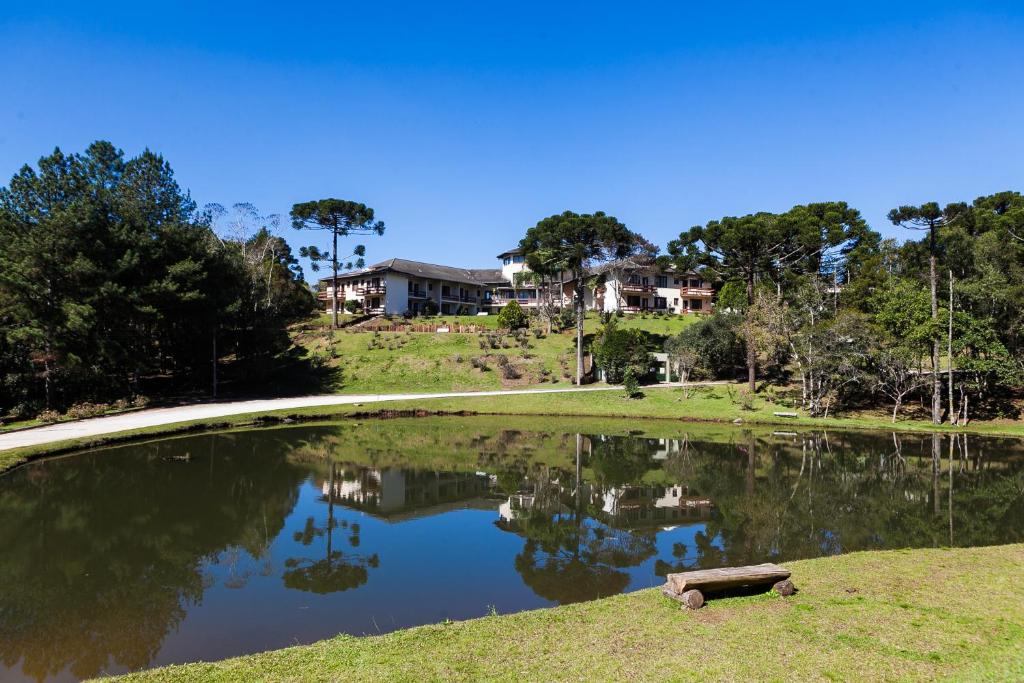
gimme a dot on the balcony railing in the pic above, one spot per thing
(637, 287)
(464, 298)
(372, 289)
(696, 291)
(502, 300)
(417, 294)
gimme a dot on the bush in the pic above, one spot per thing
(140, 401)
(48, 416)
(512, 316)
(479, 362)
(508, 371)
(617, 351)
(630, 384)
(430, 307)
(80, 411)
(353, 306)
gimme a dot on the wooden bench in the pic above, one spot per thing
(689, 587)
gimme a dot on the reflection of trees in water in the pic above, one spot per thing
(102, 553)
(774, 498)
(336, 571)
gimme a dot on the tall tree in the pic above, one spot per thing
(578, 243)
(930, 217)
(341, 218)
(766, 245)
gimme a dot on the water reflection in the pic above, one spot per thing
(210, 546)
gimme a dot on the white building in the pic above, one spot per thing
(400, 287)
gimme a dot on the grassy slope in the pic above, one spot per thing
(393, 362)
(907, 615)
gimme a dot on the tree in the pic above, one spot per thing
(895, 376)
(765, 245)
(682, 356)
(930, 217)
(511, 316)
(617, 351)
(341, 218)
(578, 243)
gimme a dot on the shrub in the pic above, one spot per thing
(512, 316)
(352, 305)
(80, 411)
(630, 384)
(430, 307)
(140, 401)
(48, 416)
(479, 362)
(617, 350)
(120, 404)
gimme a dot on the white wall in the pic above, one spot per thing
(396, 298)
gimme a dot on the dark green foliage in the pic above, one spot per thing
(630, 385)
(718, 348)
(617, 350)
(512, 316)
(352, 306)
(108, 276)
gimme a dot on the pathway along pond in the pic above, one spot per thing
(209, 546)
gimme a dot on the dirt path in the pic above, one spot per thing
(165, 416)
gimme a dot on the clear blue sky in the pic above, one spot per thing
(464, 123)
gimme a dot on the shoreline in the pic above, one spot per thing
(883, 614)
(588, 402)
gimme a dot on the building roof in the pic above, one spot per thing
(510, 252)
(471, 276)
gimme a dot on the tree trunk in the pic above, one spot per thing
(936, 381)
(751, 351)
(949, 354)
(580, 312)
(334, 282)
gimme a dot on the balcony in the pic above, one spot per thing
(697, 291)
(462, 299)
(637, 287)
(417, 294)
(502, 300)
(372, 289)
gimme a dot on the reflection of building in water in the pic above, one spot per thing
(654, 505)
(396, 494)
(625, 506)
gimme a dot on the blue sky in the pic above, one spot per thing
(464, 123)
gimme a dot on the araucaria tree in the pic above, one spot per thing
(341, 218)
(758, 246)
(578, 243)
(931, 218)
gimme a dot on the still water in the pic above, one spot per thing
(209, 546)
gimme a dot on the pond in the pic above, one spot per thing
(208, 546)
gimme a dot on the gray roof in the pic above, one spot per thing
(513, 250)
(471, 276)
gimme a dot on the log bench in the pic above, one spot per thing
(689, 588)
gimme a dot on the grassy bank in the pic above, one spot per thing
(720, 404)
(895, 615)
(395, 362)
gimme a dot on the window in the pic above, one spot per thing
(695, 305)
(675, 281)
(675, 302)
(507, 260)
(634, 279)
(660, 302)
(661, 281)
(518, 258)
(430, 286)
(645, 280)
(694, 283)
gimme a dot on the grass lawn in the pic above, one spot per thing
(662, 410)
(894, 615)
(394, 362)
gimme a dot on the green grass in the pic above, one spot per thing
(895, 615)
(659, 409)
(395, 362)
